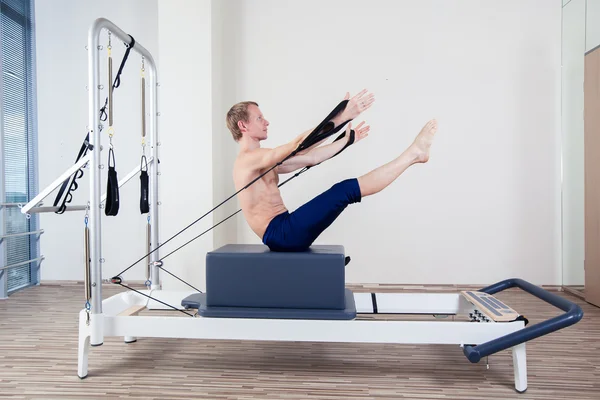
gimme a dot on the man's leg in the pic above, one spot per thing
(418, 152)
(298, 230)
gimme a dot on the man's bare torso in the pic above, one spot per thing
(261, 201)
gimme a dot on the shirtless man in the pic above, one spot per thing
(261, 202)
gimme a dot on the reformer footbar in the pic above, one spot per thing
(323, 131)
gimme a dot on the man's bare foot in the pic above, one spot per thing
(423, 141)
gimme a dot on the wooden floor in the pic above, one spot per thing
(38, 360)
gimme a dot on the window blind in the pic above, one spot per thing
(19, 136)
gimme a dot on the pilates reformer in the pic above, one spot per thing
(255, 294)
(302, 297)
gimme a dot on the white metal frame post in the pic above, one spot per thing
(96, 317)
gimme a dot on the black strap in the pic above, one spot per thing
(522, 318)
(112, 187)
(325, 129)
(129, 47)
(144, 203)
(69, 185)
(349, 143)
(374, 301)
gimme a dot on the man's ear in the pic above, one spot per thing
(242, 126)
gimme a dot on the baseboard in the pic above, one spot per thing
(575, 290)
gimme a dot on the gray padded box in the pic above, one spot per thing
(250, 275)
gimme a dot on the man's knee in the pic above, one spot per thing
(348, 190)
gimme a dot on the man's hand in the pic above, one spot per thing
(360, 132)
(357, 104)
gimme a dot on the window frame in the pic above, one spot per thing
(26, 20)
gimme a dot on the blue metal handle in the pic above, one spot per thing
(573, 314)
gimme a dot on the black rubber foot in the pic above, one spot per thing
(82, 377)
(133, 341)
(521, 391)
(96, 345)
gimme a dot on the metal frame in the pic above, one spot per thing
(96, 316)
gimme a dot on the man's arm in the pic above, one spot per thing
(356, 105)
(323, 153)
(266, 158)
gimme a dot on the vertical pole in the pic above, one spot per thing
(97, 334)
(153, 168)
(148, 249)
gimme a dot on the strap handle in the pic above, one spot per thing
(144, 191)
(112, 187)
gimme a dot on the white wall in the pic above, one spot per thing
(225, 80)
(592, 25)
(487, 206)
(181, 31)
(184, 39)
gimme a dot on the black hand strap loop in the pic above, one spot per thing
(118, 77)
(144, 204)
(325, 129)
(111, 155)
(349, 143)
(112, 187)
(69, 185)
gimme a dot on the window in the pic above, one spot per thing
(18, 145)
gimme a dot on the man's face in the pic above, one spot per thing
(256, 127)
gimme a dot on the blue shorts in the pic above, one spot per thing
(296, 231)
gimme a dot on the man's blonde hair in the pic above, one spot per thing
(239, 112)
